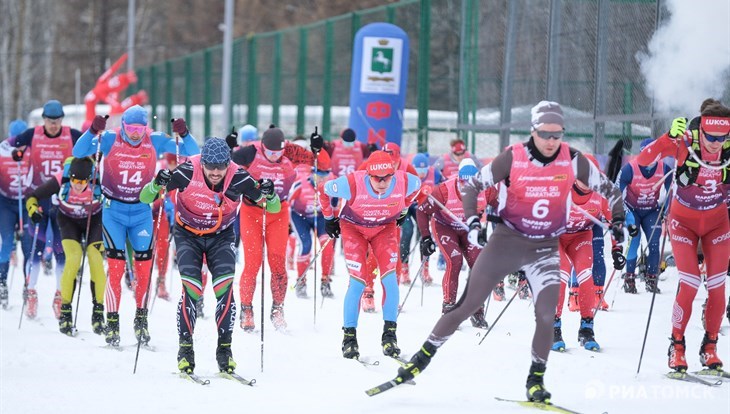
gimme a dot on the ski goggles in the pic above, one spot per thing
(273, 154)
(220, 166)
(556, 135)
(79, 181)
(381, 178)
(135, 129)
(714, 138)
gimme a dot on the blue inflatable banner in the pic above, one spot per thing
(378, 83)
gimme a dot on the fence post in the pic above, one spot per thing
(628, 106)
(168, 95)
(327, 81)
(599, 96)
(553, 68)
(207, 90)
(252, 115)
(301, 80)
(188, 88)
(507, 74)
(467, 10)
(153, 95)
(390, 13)
(276, 81)
(424, 73)
(474, 76)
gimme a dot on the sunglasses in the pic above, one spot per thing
(135, 129)
(459, 153)
(273, 154)
(556, 135)
(714, 138)
(218, 166)
(381, 179)
(79, 181)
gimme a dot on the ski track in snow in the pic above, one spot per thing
(43, 371)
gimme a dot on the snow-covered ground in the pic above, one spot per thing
(42, 371)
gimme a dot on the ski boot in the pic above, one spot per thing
(247, 322)
(524, 292)
(419, 361)
(140, 326)
(535, 386)
(47, 263)
(446, 307)
(57, 304)
(498, 292)
(630, 283)
(200, 308)
(112, 328)
(558, 343)
(326, 289)
(477, 319)
(301, 288)
(186, 356)
(97, 319)
(512, 280)
(389, 340)
(349, 344)
(708, 353)
(585, 335)
(3, 294)
(128, 280)
(601, 300)
(573, 304)
(367, 303)
(277, 316)
(32, 300)
(677, 360)
(404, 277)
(65, 320)
(162, 292)
(224, 355)
(426, 275)
(651, 284)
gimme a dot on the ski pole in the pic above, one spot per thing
(498, 316)
(413, 282)
(316, 234)
(263, 265)
(85, 243)
(29, 269)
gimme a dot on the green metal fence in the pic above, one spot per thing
(477, 66)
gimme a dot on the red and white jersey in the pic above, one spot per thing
(13, 177)
(707, 192)
(369, 210)
(76, 205)
(453, 202)
(281, 172)
(593, 203)
(128, 168)
(302, 194)
(48, 154)
(346, 159)
(643, 193)
(535, 203)
(203, 209)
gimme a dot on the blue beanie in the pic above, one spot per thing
(215, 151)
(135, 115)
(52, 109)
(467, 169)
(248, 133)
(420, 160)
(645, 143)
(17, 127)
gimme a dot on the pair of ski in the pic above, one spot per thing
(227, 375)
(698, 377)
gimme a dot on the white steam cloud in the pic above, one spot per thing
(689, 56)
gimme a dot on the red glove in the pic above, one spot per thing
(179, 126)
(98, 124)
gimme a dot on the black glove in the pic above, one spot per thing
(163, 177)
(687, 173)
(232, 139)
(266, 187)
(477, 235)
(402, 218)
(179, 126)
(633, 230)
(617, 230)
(316, 142)
(18, 155)
(619, 261)
(427, 246)
(98, 124)
(332, 227)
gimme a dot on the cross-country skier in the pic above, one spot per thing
(697, 215)
(448, 164)
(130, 157)
(377, 198)
(429, 177)
(538, 177)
